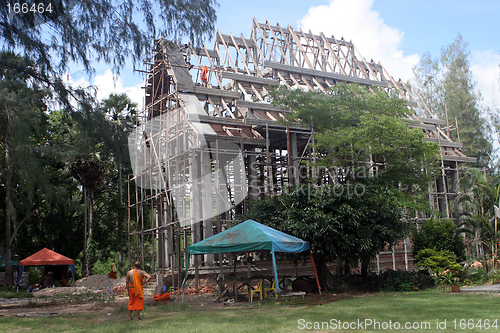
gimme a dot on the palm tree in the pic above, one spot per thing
(478, 216)
(90, 175)
(121, 114)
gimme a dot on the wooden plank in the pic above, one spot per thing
(322, 50)
(217, 120)
(331, 40)
(265, 42)
(422, 126)
(259, 106)
(463, 159)
(235, 139)
(235, 41)
(208, 91)
(446, 143)
(322, 74)
(204, 52)
(255, 64)
(325, 40)
(283, 53)
(235, 68)
(432, 121)
(239, 52)
(299, 44)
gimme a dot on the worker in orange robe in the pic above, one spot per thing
(161, 293)
(135, 281)
(204, 73)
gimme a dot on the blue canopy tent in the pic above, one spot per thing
(14, 263)
(249, 236)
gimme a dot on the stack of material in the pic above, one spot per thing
(203, 289)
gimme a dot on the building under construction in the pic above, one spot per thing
(208, 137)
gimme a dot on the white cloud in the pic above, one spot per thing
(106, 84)
(357, 22)
(486, 73)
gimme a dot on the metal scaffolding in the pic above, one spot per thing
(203, 146)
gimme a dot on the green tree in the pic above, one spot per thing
(477, 214)
(438, 235)
(121, 114)
(341, 223)
(360, 133)
(363, 143)
(447, 87)
(87, 31)
(22, 128)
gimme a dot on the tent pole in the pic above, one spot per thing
(185, 278)
(315, 273)
(275, 273)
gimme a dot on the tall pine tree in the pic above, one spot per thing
(447, 87)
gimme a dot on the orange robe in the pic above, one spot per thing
(161, 294)
(204, 72)
(135, 294)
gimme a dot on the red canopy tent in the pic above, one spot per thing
(45, 257)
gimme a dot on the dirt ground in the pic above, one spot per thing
(46, 307)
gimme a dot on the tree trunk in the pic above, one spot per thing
(325, 277)
(85, 232)
(120, 218)
(8, 205)
(365, 263)
(90, 252)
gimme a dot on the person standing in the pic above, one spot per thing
(135, 281)
(112, 273)
(204, 79)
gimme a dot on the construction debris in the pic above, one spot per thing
(203, 289)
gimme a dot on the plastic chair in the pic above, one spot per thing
(256, 290)
(273, 288)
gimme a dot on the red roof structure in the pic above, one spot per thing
(46, 257)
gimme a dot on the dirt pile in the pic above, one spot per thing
(100, 282)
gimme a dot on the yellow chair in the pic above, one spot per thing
(256, 290)
(273, 288)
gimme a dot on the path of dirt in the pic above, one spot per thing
(101, 311)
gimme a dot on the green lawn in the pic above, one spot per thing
(427, 310)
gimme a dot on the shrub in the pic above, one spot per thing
(437, 261)
(34, 275)
(402, 281)
(439, 235)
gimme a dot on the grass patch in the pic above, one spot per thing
(11, 292)
(420, 309)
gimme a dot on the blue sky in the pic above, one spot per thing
(396, 32)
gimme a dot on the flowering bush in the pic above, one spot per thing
(448, 278)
